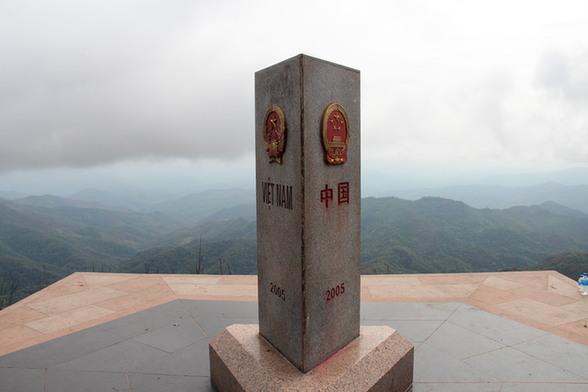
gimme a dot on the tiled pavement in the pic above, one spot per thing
(88, 333)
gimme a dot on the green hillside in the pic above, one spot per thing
(441, 235)
(43, 239)
(570, 264)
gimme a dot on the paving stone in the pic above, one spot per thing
(502, 330)
(407, 311)
(22, 380)
(100, 357)
(173, 336)
(432, 365)
(414, 330)
(511, 365)
(164, 383)
(544, 387)
(457, 387)
(120, 357)
(192, 360)
(61, 380)
(470, 343)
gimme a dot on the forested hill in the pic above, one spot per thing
(430, 235)
(44, 239)
(441, 235)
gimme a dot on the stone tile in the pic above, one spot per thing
(452, 279)
(544, 387)
(62, 349)
(461, 343)
(68, 319)
(95, 280)
(214, 325)
(18, 316)
(501, 284)
(140, 283)
(71, 284)
(172, 280)
(59, 380)
(229, 291)
(432, 365)
(407, 291)
(543, 295)
(163, 383)
(120, 357)
(449, 291)
(72, 301)
(173, 336)
(579, 307)
(500, 329)
(192, 360)
(238, 280)
(16, 335)
(565, 286)
(147, 320)
(406, 282)
(233, 309)
(537, 279)
(416, 331)
(407, 311)
(491, 295)
(511, 365)
(559, 352)
(534, 310)
(22, 380)
(457, 387)
(139, 300)
(576, 331)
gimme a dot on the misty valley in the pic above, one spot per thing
(45, 238)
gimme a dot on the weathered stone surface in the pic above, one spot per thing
(308, 213)
(378, 360)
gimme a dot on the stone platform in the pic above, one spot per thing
(379, 360)
(508, 331)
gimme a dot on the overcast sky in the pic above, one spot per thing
(92, 84)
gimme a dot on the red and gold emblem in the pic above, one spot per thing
(335, 134)
(274, 133)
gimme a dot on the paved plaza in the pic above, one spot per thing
(512, 331)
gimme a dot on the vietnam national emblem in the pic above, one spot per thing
(274, 133)
(335, 134)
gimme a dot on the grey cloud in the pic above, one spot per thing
(488, 101)
(563, 75)
(96, 84)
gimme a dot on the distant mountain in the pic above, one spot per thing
(441, 235)
(430, 235)
(136, 199)
(492, 196)
(569, 264)
(43, 239)
(235, 256)
(198, 207)
(11, 195)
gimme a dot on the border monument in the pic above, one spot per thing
(307, 137)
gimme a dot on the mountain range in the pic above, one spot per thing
(44, 238)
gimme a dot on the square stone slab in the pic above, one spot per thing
(380, 359)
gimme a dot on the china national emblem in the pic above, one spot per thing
(274, 133)
(335, 134)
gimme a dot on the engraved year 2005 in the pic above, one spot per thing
(334, 292)
(278, 291)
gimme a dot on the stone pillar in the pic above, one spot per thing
(307, 155)
(307, 139)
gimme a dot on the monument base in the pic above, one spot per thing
(378, 360)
